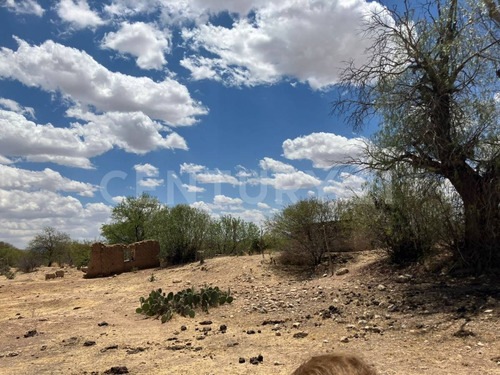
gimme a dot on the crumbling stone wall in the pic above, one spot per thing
(107, 260)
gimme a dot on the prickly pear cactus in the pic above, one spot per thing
(160, 304)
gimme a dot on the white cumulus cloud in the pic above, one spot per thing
(217, 177)
(291, 181)
(151, 182)
(350, 185)
(276, 166)
(118, 199)
(191, 168)
(54, 67)
(193, 188)
(323, 149)
(14, 106)
(23, 214)
(307, 40)
(23, 7)
(224, 200)
(78, 14)
(133, 132)
(147, 169)
(263, 205)
(48, 179)
(200, 205)
(141, 40)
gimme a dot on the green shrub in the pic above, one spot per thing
(307, 230)
(30, 261)
(5, 269)
(413, 217)
(183, 303)
(79, 253)
(9, 254)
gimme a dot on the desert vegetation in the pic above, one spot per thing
(184, 302)
(185, 233)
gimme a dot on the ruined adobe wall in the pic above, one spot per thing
(107, 260)
(145, 254)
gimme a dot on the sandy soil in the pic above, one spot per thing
(399, 324)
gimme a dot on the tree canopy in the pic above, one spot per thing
(51, 244)
(130, 218)
(431, 81)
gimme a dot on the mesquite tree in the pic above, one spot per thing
(431, 81)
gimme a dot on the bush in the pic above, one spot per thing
(5, 269)
(9, 254)
(181, 232)
(184, 302)
(79, 253)
(307, 230)
(30, 261)
(413, 218)
(232, 236)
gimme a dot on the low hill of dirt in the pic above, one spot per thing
(397, 320)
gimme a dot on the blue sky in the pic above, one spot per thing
(220, 104)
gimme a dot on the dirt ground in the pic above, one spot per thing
(398, 321)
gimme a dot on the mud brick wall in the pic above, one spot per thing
(108, 260)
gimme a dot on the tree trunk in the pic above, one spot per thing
(482, 229)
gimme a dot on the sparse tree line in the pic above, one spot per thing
(46, 248)
(185, 233)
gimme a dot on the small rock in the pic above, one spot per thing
(89, 343)
(276, 363)
(250, 332)
(205, 323)
(300, 335)
(296, 325)
(102, 324)
(177, 281)
(344, 339)
(223, 328)
(381, 287)
(111, 347)
(464, 333)
(241, 360)
(176, 347)
(12, 354)
(31, 333)
(403, 278)
(183, 328)
(117, 370)
(135, 350)
(342, 271)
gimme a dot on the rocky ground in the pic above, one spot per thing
(400, 321)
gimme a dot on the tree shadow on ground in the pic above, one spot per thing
(418, 290)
